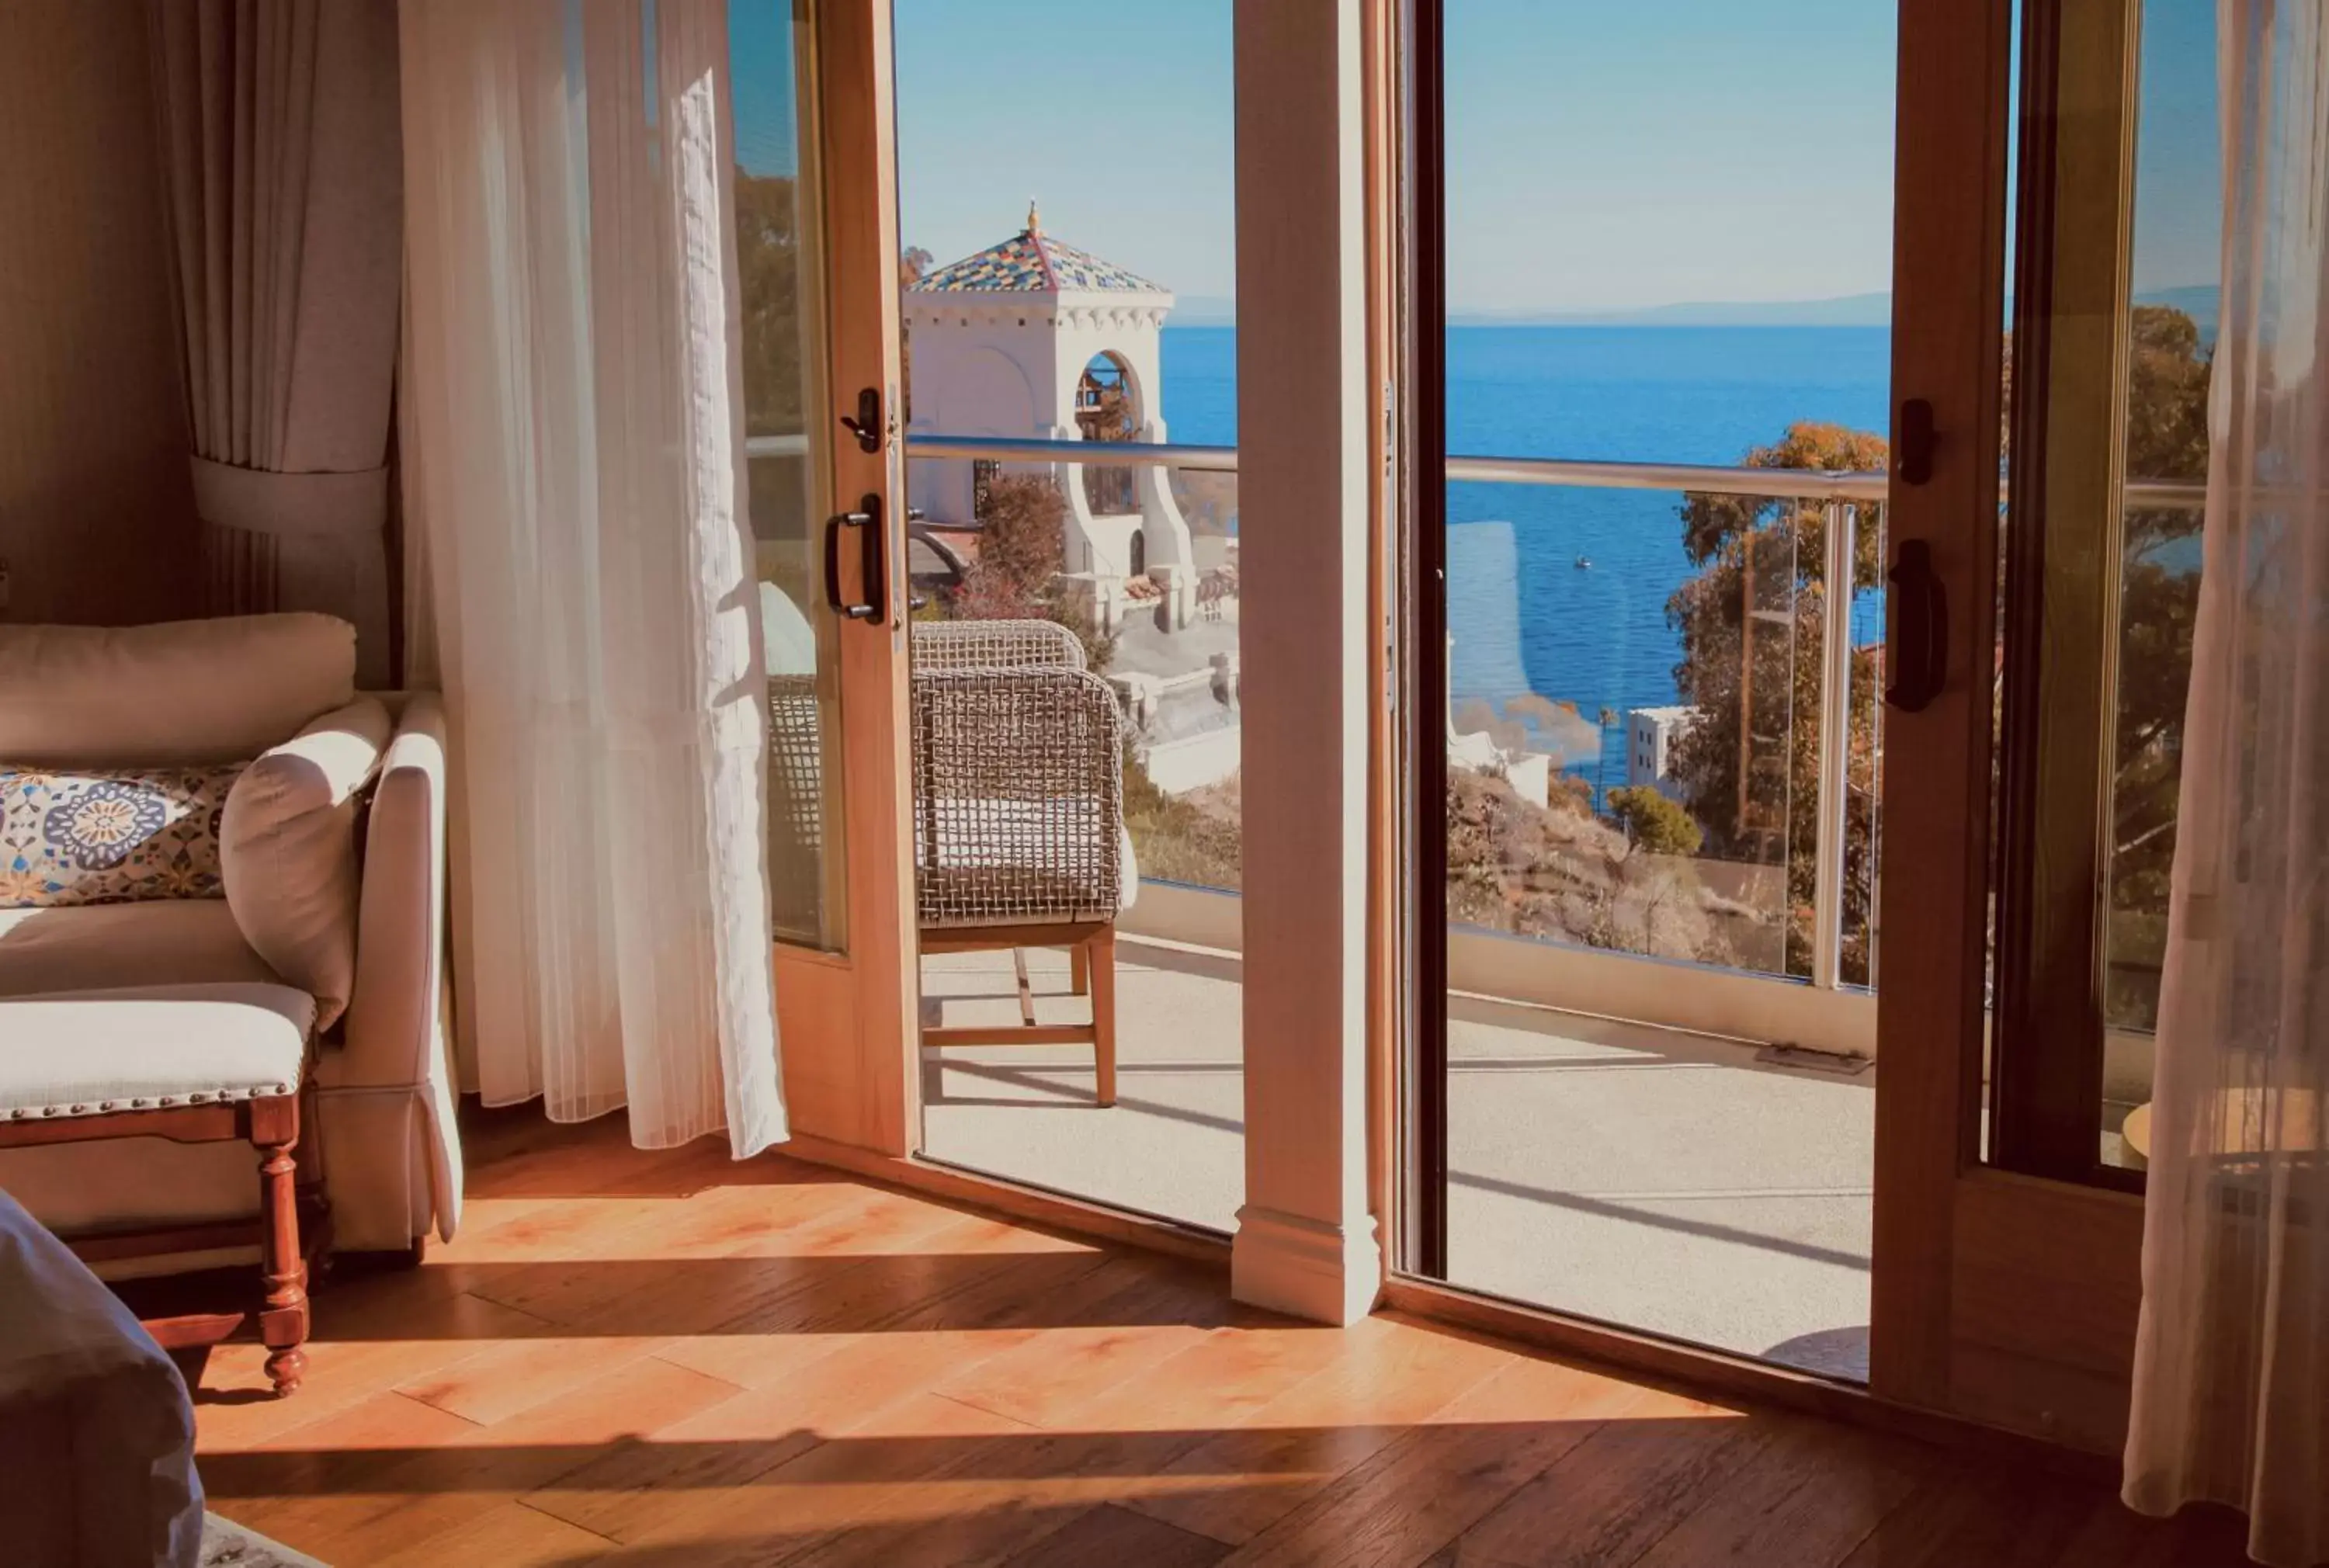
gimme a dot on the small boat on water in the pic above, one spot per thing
(1585, 563)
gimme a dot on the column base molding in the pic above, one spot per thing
(1305, 1268)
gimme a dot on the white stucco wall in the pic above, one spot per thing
(1008, 364)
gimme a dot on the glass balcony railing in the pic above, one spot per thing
(1579, 821)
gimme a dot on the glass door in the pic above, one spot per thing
(816, 231)
(1649, 537)
(2078, 592)
(1067, 283)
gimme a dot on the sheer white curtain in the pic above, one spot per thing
(574, 409)
(2231, 1384)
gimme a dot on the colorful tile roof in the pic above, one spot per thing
(1032, 262)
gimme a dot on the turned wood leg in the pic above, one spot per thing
(1080, 970)
(1101, 962)
(283, 1317)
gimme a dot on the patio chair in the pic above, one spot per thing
(1019, 837)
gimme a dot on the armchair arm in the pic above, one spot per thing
(394, 1049)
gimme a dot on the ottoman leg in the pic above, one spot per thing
(283, 1317)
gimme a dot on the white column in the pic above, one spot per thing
(1306, 1243)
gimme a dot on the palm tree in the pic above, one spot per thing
(1601, 763)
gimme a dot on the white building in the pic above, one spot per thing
(1650, 736)
(1018, 341)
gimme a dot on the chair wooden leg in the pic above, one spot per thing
(283, 1317)
(1101, 962)
(1078, 971)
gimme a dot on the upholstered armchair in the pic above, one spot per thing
(221, 875)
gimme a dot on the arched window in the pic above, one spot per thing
(1107, 409)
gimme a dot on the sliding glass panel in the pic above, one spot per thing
(1667, 375)
(1076, 623)
(2114, 330)
(2172, 335)
(784, 355)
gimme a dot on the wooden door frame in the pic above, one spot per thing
(2002, 1298)
(849, 1017)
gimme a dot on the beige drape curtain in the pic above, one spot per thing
(2231, 1380)
(573, 474)
(283, 183)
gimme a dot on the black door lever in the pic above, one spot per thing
(1912, 442)
(867, 426)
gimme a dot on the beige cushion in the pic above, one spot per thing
(217, 691)
(174, 942)
(149, 1048)
(289, 850)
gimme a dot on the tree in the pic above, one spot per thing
(1740, 672)
(1021, 547)
(1752, 623)
(768, 261)
(1659, 825)
(2159, 596)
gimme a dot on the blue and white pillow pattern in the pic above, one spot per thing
(117, 837)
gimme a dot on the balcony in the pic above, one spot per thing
(1703, 1128)
(1662, 1024)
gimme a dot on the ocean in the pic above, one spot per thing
(1526, 618)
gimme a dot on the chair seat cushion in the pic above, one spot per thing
(99, 946)
(149, 1048)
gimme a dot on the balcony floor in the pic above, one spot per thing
(1649, 1177)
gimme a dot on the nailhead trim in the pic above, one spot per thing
(156, 1102)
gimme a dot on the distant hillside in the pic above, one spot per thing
(1203, 310)
(2197, 301)
(1850, 310)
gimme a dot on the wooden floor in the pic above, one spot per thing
(660, 1360)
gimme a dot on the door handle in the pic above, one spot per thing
(1918, 638)
(873, 563)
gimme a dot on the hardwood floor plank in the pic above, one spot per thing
(874, 1480)
(1611, 1498)
(1221, 1381)
(509, 1535)
(512, 1377)
(1075, 1364)
(674, 1360)
(1440, 1477)
(1388, 1375)
(1110, 1535)
(1808, 1497)
(1973, 1513)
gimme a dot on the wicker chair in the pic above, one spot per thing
(1019, 816)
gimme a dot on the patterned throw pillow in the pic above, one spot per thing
(117, 837)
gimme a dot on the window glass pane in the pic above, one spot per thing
(777, 243)
(1066, 206)
(2171, 343)
(1665, 639)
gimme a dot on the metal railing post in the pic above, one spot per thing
(1840, 525)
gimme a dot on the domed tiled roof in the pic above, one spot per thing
(1031, 262)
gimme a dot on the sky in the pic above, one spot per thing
(1601, 157)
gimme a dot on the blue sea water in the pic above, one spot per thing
(1597, 637)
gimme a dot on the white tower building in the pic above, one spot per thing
(1017, 342)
